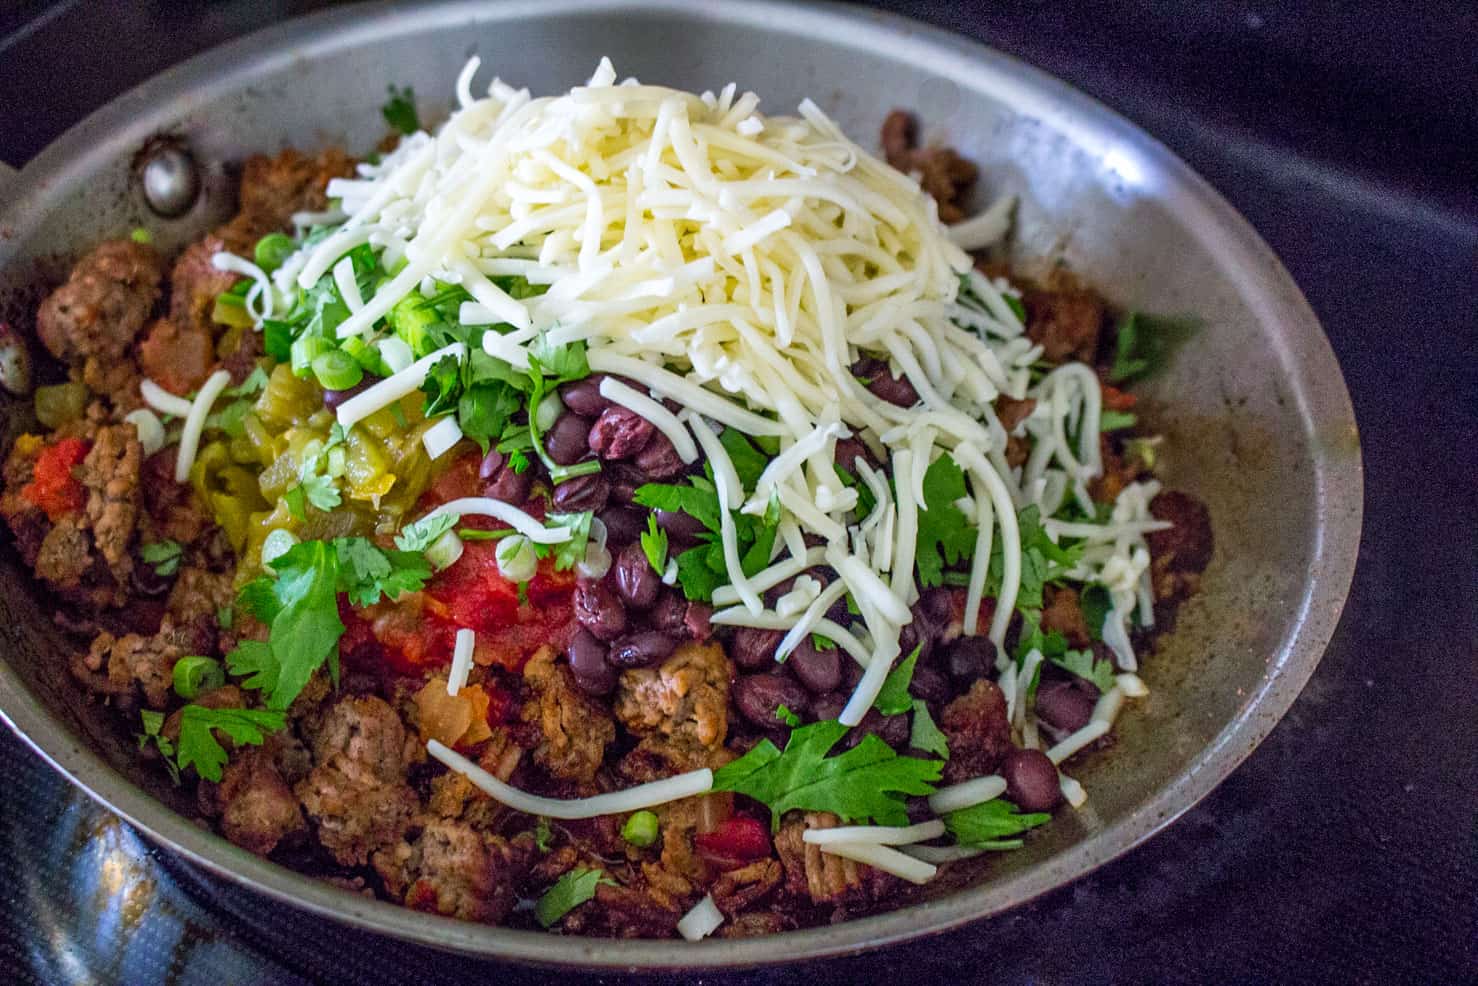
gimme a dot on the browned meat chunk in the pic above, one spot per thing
(194, 283)
(356, 795)
(756, 923)
(1065, 615)
(199, 592)
(979, 735)
(177, 358)
(103, 305)
(273, 188)
(257, 808)
(453, 869)
(142, 662)
(637, 910)
(65, 554)
(1118, 472)
(1012, 412)
(1181, 553)
(1065, 323)
(111, 475)
(174, 511)
(823, 877)
(945, 175)
(576, 730)
(738, 890)
(681, 709)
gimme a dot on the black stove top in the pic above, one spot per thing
(1345, 849)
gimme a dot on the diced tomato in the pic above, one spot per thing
(1118, 400)
(53, 488)
(737, 841)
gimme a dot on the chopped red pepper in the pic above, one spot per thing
(1118, 400)
(737, 842)
(53, 488)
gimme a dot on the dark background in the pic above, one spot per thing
(1346, 848)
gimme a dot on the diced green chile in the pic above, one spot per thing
(60, 403)
(193, 675)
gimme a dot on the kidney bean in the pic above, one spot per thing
(598, 610)
(758, 696)
(892, 730)
(818, 670)
(668, 612)
(754, 649)
(589, 492)
(642, 649)
(636, 583)
(500, 482)
(937, 607)
(587, 657)
(625, 478)
(849, 450)
(697, 620)
(969, 658)
(658, 459)
(624, 525)
(619, 433)
(1031, 780)
(583, 396)
(930, 684)
(851, 675)
(825, 707)
(883, 385)
(566, 440)
(682, 529)
(333, 398)
(1062, 705)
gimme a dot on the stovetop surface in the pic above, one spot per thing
(1345, 849)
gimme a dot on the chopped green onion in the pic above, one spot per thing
(141, 236)
(561, 473)
(304, 351)
(640, 829)
(272, 250)
(277, 544)
(229, 311)
(193, 675)
(363, 353)
(445, 550)
(477, 534)
(517, 560)
(337, 370)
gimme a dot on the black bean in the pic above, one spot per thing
(587, 657)
(1031, 780)
(931, 618)
(636, 582)
(588, 492)
(624, 525)
(566, 440)
(1062, 705)
(669, 613)
(659, 459)
(758, 696)
(583, 396)
(619, 433)
(892, 730)
(969, 658)
(848, 451)
(930, 684)
(682, 529)
(598, 610)
(642, 649)
(825, 707)
(754, 649)
(698, 620)
(883, 384)
(818, 670)
(851, 675)
(500, 482)
(937, 607)
(333, 398)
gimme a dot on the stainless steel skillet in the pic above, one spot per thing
(1257, 415)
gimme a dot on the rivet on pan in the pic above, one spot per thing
(170, 178)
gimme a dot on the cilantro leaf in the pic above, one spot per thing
(1082, 664)
(1042, 560)
(400, 110)
(566, 362)
(252, 660)
(567, 554)
(946, 536)
(748, 461)
(320, 491)
(1052, 644)
(569, 892)
(420, 534)
(893, 698)
(163, 555)
(866, 783)
(1111, 420)
(543, 834)
(255, 382)
(988, 823)
(696, 576)
(442, 386)
(654, 545)
(368, 572)
(1094, 601)
(198, 746)
(924, 734)
(783, 713)
(484, 410)
(822, 643)
(306, 627)
(1144, 343)
(152, 723)
(698, 503)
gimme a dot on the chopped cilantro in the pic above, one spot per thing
(786, 716)
(654, 545)
(893, 698)
(865, 783)
(568, 554)
(400, 110)
(198, 746)
(1111, 420)
(1144, 343)
(164, 556)
(1082, 664)
(152, 723)
(698, 502)
(1094, 601)
(368, 572)
(421, 534)
(301, 607)
(543, 834)
(822, 643)
(569, 892)
(985, 825)
(946, 536)
(924, 734)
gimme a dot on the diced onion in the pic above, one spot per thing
(441, 437)
(1077, 740)
(1072, 790)
(445, 550)
(615, 803)
(461, 660)
(702, 921)
(517, 561)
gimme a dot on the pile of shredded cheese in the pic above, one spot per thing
(739, 264)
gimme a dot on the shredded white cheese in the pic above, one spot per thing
(881, 835)
(967, 794)
(195, 423)
(664, 420)
(162, 400)
(885, 859)
(461, 660)
(393, 388)
(522, 522)
(701, 921)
